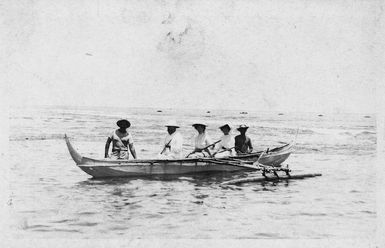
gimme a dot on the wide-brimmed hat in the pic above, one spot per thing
(172, 123)
(226, 125)
(199, 124)
(243, 126)
(123, 123)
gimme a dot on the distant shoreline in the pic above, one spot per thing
(202, 110)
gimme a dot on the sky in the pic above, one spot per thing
(313, 56)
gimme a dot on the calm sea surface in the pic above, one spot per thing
(52, 198)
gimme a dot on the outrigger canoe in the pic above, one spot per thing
(101, 168)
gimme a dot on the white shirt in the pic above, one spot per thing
(176, 145)
(202, 140)
(227, 141)
(120, 141)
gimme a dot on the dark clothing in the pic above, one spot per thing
(243, 144)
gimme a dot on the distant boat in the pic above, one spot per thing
(320, 115)
(243, 113)
(208, 112)
(280, 114)
(367, 116)
(159, 111)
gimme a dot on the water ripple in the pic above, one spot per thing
(52, 197)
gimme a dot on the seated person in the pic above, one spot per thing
(173, 142)
(121, 141)
(225, 147)
(201, 141)
(243, 142)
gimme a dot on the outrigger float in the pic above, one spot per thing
(268, 162)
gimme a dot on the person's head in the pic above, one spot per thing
(171, 129)
(200, 127)
(171, 126)
(242, 129)
(225, 129)
(123, 124)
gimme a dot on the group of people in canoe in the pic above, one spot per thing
(204, 146)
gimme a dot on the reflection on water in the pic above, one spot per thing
(51, 197)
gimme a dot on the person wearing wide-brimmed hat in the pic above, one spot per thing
(121, 142)
(243, 142)
(225, 147)
(173, 142)
(201, 141)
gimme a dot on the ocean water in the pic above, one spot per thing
(51, 198)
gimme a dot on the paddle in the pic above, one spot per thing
(225, 150)
(226, 162)
(233, 163)
(164, 149)
(204, 148)
(239, 162)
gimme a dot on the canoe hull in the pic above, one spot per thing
(101, 168)
(159, 169)
(274, 157)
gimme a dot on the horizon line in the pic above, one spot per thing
(181, 108)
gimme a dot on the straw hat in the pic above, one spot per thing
(243, 126)
(199, 123)
(123, 123)
(172, 123)
(226, 125)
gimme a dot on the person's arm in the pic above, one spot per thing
(217, 147)
(167, 145)
(130, 142)
(232, 146)
(107, 147)
(208, 151)
(164, 145)
(209, 141)
(197, 150)
(250, 146)
(132, 150)
(194, 145)
(237, 147)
